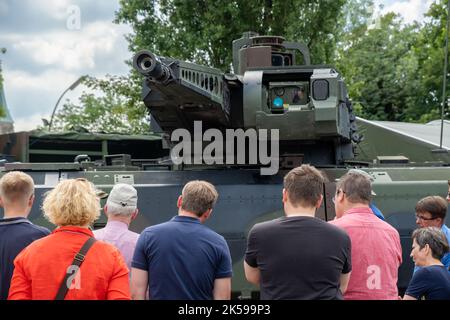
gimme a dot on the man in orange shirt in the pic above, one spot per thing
(41, 268)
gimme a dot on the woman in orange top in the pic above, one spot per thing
(41, 267)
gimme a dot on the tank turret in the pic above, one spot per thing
(273, 87)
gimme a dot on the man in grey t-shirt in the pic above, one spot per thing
(299, 256)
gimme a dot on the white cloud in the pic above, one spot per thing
(410, 10)
(31, 97)
(51, 80)
(73, 50)
(28, 123)
(42, 63)
(59, 59)
(56, 9)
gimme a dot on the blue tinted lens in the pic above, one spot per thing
(278, 102)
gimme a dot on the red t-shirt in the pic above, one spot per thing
(40, 268)
(376, 255)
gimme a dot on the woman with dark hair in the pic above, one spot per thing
(432, 280)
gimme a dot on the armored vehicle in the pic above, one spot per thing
(242, 132)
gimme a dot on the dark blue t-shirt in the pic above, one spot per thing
(432, 283)
(15, 235)
(183, 258)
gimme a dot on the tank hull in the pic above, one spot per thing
(246, 198)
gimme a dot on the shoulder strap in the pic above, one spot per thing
(77, 261)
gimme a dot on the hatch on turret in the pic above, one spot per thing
(253, 51)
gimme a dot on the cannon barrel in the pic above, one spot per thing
(149, 65)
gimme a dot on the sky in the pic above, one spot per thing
(51, 43)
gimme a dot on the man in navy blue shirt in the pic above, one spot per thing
(16, 231)
(182, 259)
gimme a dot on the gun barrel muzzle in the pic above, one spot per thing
(149, 65)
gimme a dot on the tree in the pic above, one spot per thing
(117, 110)
(202, 32)
(380, 68)
(394, 71)
(429, 53)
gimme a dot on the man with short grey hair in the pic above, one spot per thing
(376, 249)
(372, 206)
(121, 209)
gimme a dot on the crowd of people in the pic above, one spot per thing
(356, 256)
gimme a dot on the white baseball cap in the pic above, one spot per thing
(122, 195)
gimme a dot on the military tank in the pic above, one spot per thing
(242, 132)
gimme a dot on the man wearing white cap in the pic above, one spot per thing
(121, 209)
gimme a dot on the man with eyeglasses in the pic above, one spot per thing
(430, 212)
(376, 249)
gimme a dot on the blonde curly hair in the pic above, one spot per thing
(72, 202)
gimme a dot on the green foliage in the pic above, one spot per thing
(394, 71)
(117, 110)
(380, 69)
(202, 31)
(429, 53)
